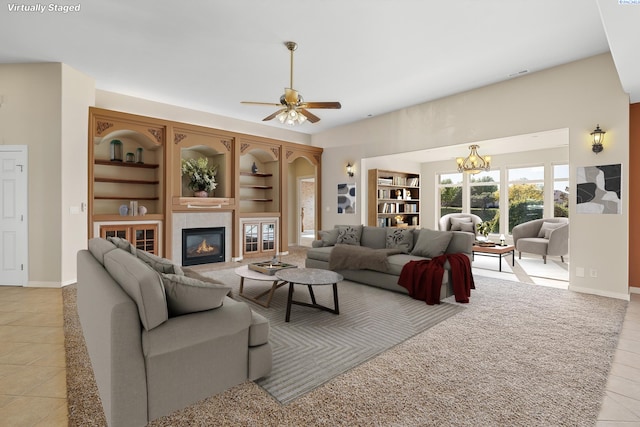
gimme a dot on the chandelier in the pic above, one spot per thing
(474, 162)
(291, 116)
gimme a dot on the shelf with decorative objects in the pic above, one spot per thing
(394, 198)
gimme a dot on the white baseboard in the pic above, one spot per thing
(623, 296)
(634, 290)
(35, 284)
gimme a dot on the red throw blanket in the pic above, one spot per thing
(423, 279)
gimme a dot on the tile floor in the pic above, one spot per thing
(33, 387)
(32, 365)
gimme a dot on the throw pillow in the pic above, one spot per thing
(468, 227)
(329, 237)
(400, 238)
(349, 234)
(457, 223)
(161, 265)
(190, 272)
(186, 295)
(431, 243)
(122, 244)
(547, 227)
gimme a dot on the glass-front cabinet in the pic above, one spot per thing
(259, 237)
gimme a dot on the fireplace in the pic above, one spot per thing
(202, 245)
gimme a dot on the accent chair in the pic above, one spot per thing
(459, 222)
(547, 236)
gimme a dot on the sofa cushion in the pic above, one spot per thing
(396, 262)
(99, 247)
(329, 237)
(400, 238)
(431, 243)
(320, 254)
(123, 244)
(186, 295)
(373, 237)
(143, 285)
(349, 234)
(190, 272)
(547, 228)
(259, 330)
(159, 264)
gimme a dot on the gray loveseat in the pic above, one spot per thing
(149, 355)
(406, 240)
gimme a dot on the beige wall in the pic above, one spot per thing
(43, 109)
(78, 93)
(300, 167)
(576, 96)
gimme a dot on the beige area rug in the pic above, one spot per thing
(518, 355)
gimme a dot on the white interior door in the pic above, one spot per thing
(13, 211)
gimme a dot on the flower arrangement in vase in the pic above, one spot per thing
(486, 227)
(202, 177)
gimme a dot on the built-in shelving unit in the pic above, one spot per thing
(393, 198)
(256, 184)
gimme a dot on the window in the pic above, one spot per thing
(485, 197)
(526, 194)
(561, 191)
(450, 185)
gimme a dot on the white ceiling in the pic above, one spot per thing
(374, 56)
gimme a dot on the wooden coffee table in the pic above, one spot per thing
(496, 251)
(310, 277)
(246, 273)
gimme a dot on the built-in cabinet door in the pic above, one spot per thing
(142, 236)
(121, 231)
(259, 238)
(251, 239)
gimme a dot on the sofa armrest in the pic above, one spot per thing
(526, 229)
(461, 242)
(559, 241)
(259, 330)
(111, 328)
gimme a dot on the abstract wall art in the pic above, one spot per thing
(346, 198)
(598, 189)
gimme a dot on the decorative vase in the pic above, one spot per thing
(124, 210)
(142, 210)
(201, 193)
(116, 150)
(139, 156)
(254, 168)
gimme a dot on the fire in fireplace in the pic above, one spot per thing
(202, 245)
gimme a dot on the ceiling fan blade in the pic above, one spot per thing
(310, 116)
(273, 104)
(271, 116)
(335, 105)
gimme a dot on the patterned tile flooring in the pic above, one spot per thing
(32, 365)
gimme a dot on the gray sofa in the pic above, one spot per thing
(318, 256)
(150, 356)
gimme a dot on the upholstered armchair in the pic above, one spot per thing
(459, 222)
(547, 236)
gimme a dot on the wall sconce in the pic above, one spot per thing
(350, 170)
(597, 137)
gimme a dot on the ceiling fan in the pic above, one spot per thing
(294, 108)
